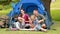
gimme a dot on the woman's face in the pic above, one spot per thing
(22, 11)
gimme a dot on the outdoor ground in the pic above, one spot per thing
(55, 29)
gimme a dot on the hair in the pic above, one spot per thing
(36, 9)
(32, 17)
(22, 9)
(15, 17)
(20, 15)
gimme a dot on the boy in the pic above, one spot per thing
(19, 24)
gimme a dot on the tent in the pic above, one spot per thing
(29, 6)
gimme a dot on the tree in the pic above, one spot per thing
(5, 2)
(47, 7)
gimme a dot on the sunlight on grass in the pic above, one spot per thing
(4, 12)
(55, 4)
(55, 29)
(55, 14)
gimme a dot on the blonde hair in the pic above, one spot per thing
(32, 17)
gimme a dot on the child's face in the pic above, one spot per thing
(15, 18)
(20, 19)
(33, 17)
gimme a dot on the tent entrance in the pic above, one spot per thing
(29, 7)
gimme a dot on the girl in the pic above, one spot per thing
(36, 25)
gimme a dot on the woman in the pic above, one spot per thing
(26, 19)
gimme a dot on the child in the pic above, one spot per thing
(36, 25)
(19, 24)
(12, 23)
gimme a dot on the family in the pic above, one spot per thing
(35, 22)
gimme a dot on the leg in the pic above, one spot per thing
(43, 26)
(38, 27)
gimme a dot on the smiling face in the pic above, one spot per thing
(22, 11)
(32, 17)
(15, 17)
(20, 19)
(35, 12)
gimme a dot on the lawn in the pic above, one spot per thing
(5, 12)
(55, 29)
(55, 4)
(55, 14)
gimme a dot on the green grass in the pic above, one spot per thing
(5, 12)
(55, 4)
(55, 15)
(55, 29)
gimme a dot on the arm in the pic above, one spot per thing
(42, 19)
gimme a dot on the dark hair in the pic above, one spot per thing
(14, 17)
(22, 9)
(20, 15)
(36, 9)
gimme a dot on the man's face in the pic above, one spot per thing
(35, 12)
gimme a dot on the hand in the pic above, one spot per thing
(40, 21)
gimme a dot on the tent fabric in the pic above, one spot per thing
(29, 6)
(16, 8)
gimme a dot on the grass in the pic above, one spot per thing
(56, 4)
(5, 12)
(55, 15)
(55, 29)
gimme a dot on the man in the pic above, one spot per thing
(38, 21)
